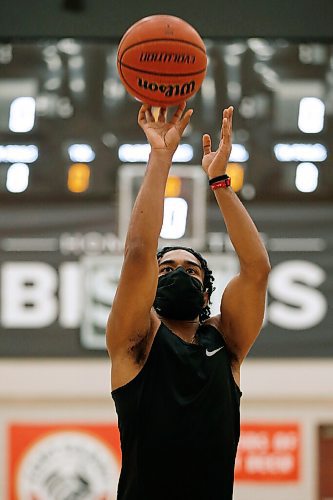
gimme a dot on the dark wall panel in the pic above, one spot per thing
(303, 19)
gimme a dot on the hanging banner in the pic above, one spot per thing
(268, 452)
(63, 461)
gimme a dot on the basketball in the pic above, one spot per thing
(162, 60)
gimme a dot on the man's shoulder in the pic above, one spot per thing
(214, 321)
(127, 362)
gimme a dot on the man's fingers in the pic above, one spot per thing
(185, 121)
(162, 115)
(228, 131)
(224, 115)
(142, 114)
(226, 127)
(231, 113)
(178, 113)
(149, 115)
(206, 144)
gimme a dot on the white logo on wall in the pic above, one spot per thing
(79, 294)
(67, 466)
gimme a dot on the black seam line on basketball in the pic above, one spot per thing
(158, 101)
(163, 40)
(161, 74)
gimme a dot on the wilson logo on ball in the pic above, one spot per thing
(166, 89)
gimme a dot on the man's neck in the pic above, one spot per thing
(186, 330)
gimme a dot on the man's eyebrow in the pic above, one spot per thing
(171, 261)
(192, 263)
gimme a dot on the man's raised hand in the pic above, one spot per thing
(215, 163)
(164, 135)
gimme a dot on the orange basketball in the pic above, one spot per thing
(162, 60)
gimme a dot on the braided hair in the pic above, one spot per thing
(208, 276)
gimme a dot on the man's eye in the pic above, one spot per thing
(166, 269)
(190, 270)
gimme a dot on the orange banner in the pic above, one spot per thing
(63, 461)
(268, 452)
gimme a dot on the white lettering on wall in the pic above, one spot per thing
(298, 305)
(34, 294)
(92, 243)
(28, 294)
(70, 294)
(100, 285)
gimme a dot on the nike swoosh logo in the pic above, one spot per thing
(211, 353)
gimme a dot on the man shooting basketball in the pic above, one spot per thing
(175, 370)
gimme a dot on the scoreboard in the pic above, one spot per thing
(184, 204)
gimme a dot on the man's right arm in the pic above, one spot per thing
(130, 318)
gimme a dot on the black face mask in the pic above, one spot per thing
(179, 295)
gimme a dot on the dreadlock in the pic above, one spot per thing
(208, 276)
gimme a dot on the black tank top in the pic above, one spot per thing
(179, 421)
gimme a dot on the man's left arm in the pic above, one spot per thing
(243, 301)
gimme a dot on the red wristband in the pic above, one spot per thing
(221, 184)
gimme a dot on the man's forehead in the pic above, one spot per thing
(179, 254)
